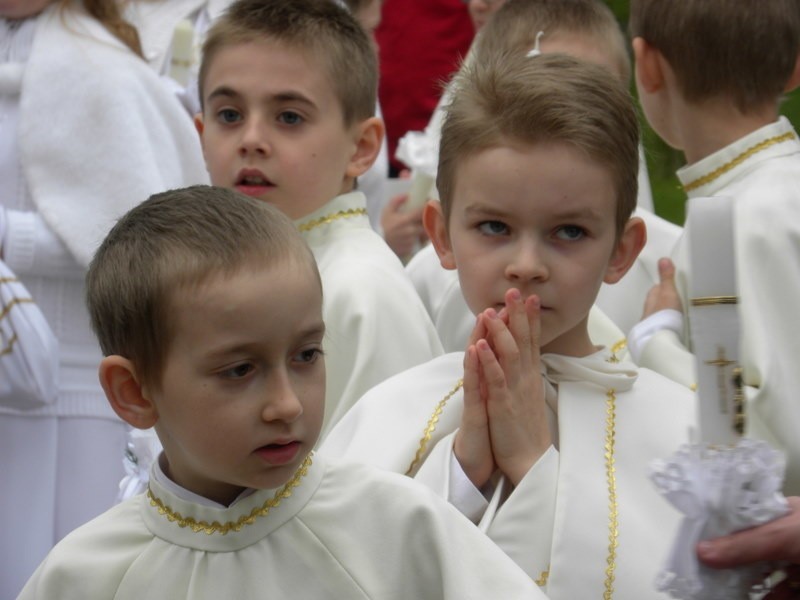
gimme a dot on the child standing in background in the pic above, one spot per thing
(86, 131)
(288, 93)
(722, 112)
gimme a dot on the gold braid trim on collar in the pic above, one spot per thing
(324, 220)
(720, 171)
(224, 528)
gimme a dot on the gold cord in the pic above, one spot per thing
(613, 523)
(224, 528)
(543, 576)
(11, 303)
(617, 347)
(324, 220)
(716, 173)
(431, 426)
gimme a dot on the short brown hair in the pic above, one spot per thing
(172, 240)
(744, 49)
(511, 98)
(515, 25)
(320, 28)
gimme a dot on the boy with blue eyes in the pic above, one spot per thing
(208, 308)
(288, 91)
(535, 433)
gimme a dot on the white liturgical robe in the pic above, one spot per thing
(590, 488)
(376, 324)
(338, 532)
(765, 188)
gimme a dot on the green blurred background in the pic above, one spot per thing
(662, 161)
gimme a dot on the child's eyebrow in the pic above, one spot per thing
(484, 210)
(316, 330)
(227, 92)
(578, 214)
(223, 91)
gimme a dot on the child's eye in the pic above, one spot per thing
(289, 117)
(308, 356)
(228, 115)
(570, 233)
(493, 228)
(237, 371)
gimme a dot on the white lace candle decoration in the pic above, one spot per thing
(722, 483)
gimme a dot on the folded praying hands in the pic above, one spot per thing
(504, 424)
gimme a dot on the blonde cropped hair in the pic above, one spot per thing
(176, 239)
(515, 26)
(744, 49)
(514, 99)
(319, 28)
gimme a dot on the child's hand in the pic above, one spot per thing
(663, 295)
(472, 445)
(402, 230)
(511, 376)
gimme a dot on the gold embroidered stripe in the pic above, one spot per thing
(617, 347)
(224, 528)
(543, 576)
(611, 478)
(714, 300)
(716, 173)
(11, 304)
(8, 349)
(342, 214)
(429, 429)
(8, 280)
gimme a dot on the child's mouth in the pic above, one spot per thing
(279, 454)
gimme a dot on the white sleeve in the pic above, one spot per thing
(28, 348)
(30, 247)
(641, 333)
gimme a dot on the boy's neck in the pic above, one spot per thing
(703, 129)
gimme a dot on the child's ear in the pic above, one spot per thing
(433, 221)
(125, 393)
(369, 137)
(630, 243)
(647, 65)
(794, 80)
(199, 125)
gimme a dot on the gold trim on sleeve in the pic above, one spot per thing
(716, 173)
(431, 426)
(714, 300)
(224, 528)
(613, 523)
(13, 302)
(10, 348)
(324, 220)
(8, 280)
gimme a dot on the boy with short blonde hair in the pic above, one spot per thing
(535, 433)
(588, 30)
(710, 77)
(288, 92)
(217, 343)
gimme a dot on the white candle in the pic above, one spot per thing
(182, 52)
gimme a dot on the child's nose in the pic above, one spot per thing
(254, 138)
(281, 402)
(527, 262)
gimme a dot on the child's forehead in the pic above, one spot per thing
(268, 46)
(520, 167)
(309, 58)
